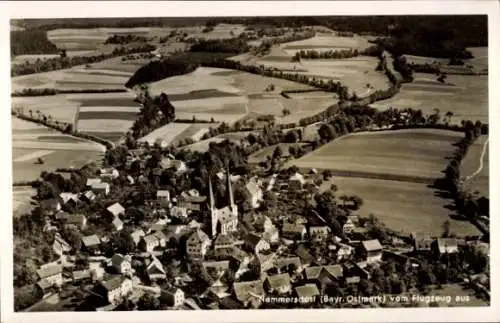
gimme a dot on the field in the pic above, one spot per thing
(418, 154)
(475, 171)
(467, 97)
(203, 145)
(263, 154)
(31, 141)
(31, 58)
(221, 31)
(326, 42)
(402, 206)
(479, 63)
(22, 199)
(228, 96)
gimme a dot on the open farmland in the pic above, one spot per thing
(165, 134)
(31, 58)
(475, 167)
(415, 154)
(477, 64)
(326, 42)
(204, 145)
(22, 199)
(466, 97)
(31, 141)
(402, 206)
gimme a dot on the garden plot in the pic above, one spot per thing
(402, 206)
(326, 42)
(410, 155)
(475, 167)
(467, 98)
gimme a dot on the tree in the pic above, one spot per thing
(326, 132)
(148, 303)
(327, 174)
(285, 112)
(122, 242)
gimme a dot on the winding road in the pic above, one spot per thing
(481, 162)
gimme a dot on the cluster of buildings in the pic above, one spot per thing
(239, 266)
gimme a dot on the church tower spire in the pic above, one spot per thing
(213, 212)
(230, 199)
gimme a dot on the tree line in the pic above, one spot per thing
(232, 45)
(118, 39)
(24, 42)
(336, 54)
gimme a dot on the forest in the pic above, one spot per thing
(31, 42)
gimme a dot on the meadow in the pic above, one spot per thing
(326, 42)
(414, 154)
(402, 206)
(466, 97)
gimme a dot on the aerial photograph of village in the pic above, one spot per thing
(217, 163)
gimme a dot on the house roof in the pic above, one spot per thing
(91, 240)
(223, 239)
(308, 290)
(297, 177)
(252, 239)
(155, 264)
(150, 239)
(282, 262)
(117, 222)
(245, 291)
(75, 218)
(49, 271)
(313, 272)
(335, 270)
(137, 235)
(293, 227)
(93, 181)
(100, 186)
(252, 187)
(44, 284)
(447, 245)
(371, 245)
(115, 209)
(163, 193)
(117, 259)
(195, 199)
(304, 255)
(80, 274)
(160, 235)
(89, 195)
(113, 283)
(60, 245)
(216, 264)
(66, 197)
(199, 236)
(279, 280)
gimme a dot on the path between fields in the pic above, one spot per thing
(481, 162)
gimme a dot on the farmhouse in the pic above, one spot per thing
(280, 284)
(307, 293)
(372, 250)
(249, 293)
(319, 232)
(121, 264)
(117, 224)
(344, 252)
(255, 243)
(446, 245)
(115, 289)
(50, 275)
(174, 296)
(296, 181)
(77, 220)
(91, 243)
(116, 209)
(149, 243)
(101, 188)
(155, 270)
(305, 257)
(293, 231)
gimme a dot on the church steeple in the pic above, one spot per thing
(213, 211)
(211, 194)
(230, 199)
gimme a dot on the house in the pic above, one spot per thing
(116, 209)
(324, 275)
(137, 235)
(422, 243)
(272, 235)
(255, 193)
(280, 284)
(197, 244)
(77, 220)
(296, 181)
(96, 270)
(215, 269)
(115, 289)
(446, 245)
(262, 223)
(60, 246)
(344, 252)
(352, 269)
(149, 243)
(288, 264)
(307, 293)
(249, 293)
(109, 174)
(372, 250)
(50, 275)
(348, 227)
(179, 212)
(255, 243)
(50, 206)
(305, 257)
(117, 224)
(163, 195)
(266, 261)
(70, 199)
(93, 181)
(89, 196)
(101, 188)
(121, 264)
(161, 237)
(293, 231)
(91, 243)
(223, 242)
(174, 296)
(319, 232)
(155, 270)
(78, 275)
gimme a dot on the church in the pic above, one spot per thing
(224, 220)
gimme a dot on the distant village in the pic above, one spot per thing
(192, 250)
